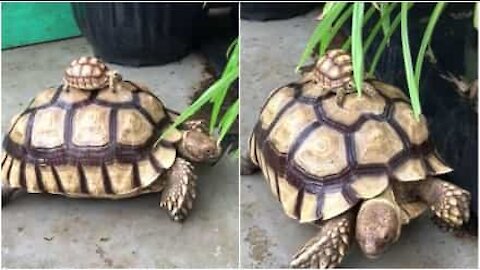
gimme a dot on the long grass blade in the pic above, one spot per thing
(427, 36)
(407, 58)
(383, 44)
(336, 27)
(231, 68)
(320, 32)
(326, 8)
(228, 119)
(380, 23)
(357, 51)
(368, 15)
(385, 17)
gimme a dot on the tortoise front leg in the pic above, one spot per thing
(349, 88)
(329, 246)
(177, 197)
(449, 203)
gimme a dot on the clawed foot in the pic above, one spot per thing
(327, 249)
(178, 196)
(342, 92)
(452, 206)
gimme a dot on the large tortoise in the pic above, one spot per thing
(358, 167)
(96, 136)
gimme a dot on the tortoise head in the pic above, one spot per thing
(378, 226)
(89, 73)
(197, 144)
(334, 69)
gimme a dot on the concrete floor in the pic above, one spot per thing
(270, 51)
(45, 231)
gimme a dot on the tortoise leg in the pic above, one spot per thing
(341, 92)
(329, 246)
(449, 203)
(247, 165)
(7, 194)
(177, 197)
(368, 89)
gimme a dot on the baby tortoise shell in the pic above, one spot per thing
(320, 159)
(75, 142)
(334, 69)
(87, 73)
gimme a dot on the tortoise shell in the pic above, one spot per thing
(321, 159)
(334, 69)
(89, 143)
(86, 73)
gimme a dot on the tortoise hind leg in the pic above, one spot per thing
(7, 194)
(248, 165)
(449, 203)
(329, 246)
(177, 197)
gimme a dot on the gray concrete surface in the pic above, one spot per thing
(46, 231)
(270, 51)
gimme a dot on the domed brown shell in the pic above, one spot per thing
(86, 73)
(321, 159)
(89, 143)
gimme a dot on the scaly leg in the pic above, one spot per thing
(340, 96)
(329, 246)
(7, 194)
(349, 88)
(448, 202)
(247, 165)
(178, 195)
(369, 89)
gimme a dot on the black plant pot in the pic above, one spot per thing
(140, 33)
(452, 119)
(275, 11)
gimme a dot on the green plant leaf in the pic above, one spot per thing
(325, 42)
(320, 31)
(357, 51)
(376, 28)
(427, 36)
(385, 17)
(407, 58)
(381, 47)
(216, 93)
(228, 119)
(231, 68)
(368, 15)
(326, 8)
